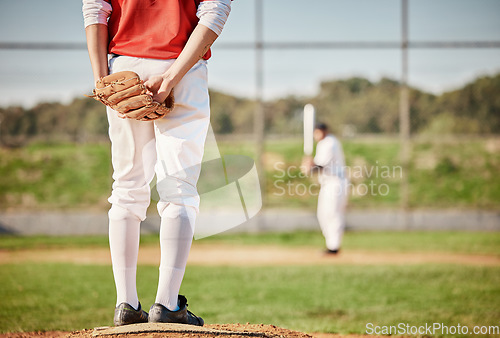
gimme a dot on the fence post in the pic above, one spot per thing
(404, 117)
(259, 119)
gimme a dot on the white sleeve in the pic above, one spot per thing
(96, 11)
(323, 157)
(213, 14)
(325, 151)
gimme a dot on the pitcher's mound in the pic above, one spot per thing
(179, 330)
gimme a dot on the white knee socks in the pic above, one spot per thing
(176, 235)
(124, 246)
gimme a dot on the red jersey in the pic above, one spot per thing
(155, 29)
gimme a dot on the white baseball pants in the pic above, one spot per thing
(171, 147)
(332, 201)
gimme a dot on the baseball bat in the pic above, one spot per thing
(308, 129)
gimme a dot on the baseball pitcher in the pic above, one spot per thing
(149, 61)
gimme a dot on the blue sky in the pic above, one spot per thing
(30, 76)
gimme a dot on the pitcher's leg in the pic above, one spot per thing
(132, 145)
(180, 139)
(176, 235)
(133, 155)
(124, 247)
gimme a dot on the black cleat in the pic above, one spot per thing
(160, 314)
(332, 252)
(125, 314)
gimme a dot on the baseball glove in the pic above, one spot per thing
(125, 92)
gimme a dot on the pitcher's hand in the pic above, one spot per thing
(159, 87)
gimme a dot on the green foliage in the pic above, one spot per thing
(82, 120)
(371, 108)
(223, 124)
(285, 115)
(477, 102)
(231, 113)
(354, 104)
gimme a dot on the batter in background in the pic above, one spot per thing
(332, 198)
(167, 43)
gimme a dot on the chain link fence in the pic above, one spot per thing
(405, 147)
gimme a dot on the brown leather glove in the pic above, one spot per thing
(125, 92)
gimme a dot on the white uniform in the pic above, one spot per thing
(171, 147)
(332, 198)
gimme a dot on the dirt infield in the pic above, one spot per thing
(248, 255)
(182, 331)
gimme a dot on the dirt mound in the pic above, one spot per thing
(44, 334)
(181, 331)
(261, 330)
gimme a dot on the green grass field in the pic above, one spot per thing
(317, 298)
(442, 174)
(312, 298)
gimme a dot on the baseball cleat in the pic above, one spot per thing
(332, 252)
(125, 314)
(160, 314)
